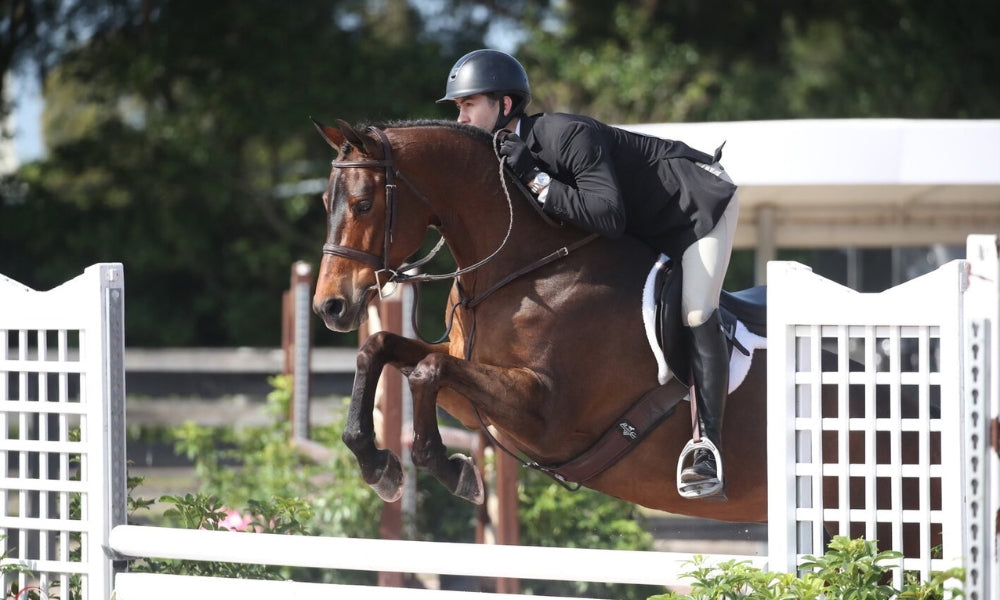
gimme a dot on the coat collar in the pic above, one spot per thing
(525, 124)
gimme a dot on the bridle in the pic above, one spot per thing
(381, 263)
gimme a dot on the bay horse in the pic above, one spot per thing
(550, 356)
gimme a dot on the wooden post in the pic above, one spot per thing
(484, 527)
(507, 525)
(766, 249)
(296, 328)
(390, 404)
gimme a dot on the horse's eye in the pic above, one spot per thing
(362, 207)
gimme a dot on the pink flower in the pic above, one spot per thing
(234, 521)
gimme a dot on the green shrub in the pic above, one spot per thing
(554, 517)
(198, 511)
(256, 472)
(850, 570)
(12, 569)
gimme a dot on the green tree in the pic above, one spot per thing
(178, 140)
(706, 61)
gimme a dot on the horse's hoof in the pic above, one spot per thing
(470, 480)
(389, 485)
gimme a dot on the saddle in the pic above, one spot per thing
(748, 307)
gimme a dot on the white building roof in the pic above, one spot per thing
(862, 182)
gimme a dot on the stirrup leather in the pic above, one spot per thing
(702, 488)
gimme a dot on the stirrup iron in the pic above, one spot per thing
(703, 488)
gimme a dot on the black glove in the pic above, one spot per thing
(518, 158)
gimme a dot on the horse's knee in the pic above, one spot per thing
(371, 347)
(427, 370)
(375, 340)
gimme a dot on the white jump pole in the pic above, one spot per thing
(480, 560)
(156, 586)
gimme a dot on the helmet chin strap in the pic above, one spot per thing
(515, 111)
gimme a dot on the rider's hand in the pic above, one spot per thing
(518, 158)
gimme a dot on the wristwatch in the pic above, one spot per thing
(539, 182)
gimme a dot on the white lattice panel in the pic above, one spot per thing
(62, 480)
(854, 381)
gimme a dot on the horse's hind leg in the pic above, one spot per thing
(380, 468)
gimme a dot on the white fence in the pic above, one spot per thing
(62, 430)
(933, 339)
(918, 364)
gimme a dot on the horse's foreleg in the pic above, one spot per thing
(380, 468)
(503, 391)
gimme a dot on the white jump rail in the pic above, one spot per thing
(149, 586)
(478, 560)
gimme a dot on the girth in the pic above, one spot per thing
(648, 412)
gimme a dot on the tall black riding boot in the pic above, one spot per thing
(710, 368)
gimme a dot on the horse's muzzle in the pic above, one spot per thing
(338, 314)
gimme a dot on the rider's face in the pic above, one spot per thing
(478, 110)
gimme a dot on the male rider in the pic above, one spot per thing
(610, 181)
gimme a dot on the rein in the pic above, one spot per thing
(382, 263)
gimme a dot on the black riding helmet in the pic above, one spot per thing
(489, 71)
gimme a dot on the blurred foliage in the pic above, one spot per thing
(199, 511)
(256, 471)
(34, 33)
(553, 517)
(178, 141)
(659, 61)
(271, 467)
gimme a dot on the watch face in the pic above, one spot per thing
(540, 182)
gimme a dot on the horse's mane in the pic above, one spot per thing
(476, 134)
(473, 132)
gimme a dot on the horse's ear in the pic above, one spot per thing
(332, 135)
(368, 144)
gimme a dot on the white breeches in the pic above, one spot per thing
(704, 265)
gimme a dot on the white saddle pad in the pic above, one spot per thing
(739, 363)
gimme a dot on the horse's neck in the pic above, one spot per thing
(506, 235)
(482, 217)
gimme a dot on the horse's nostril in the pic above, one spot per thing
(330, 308)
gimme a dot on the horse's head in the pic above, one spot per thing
(367, 237)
